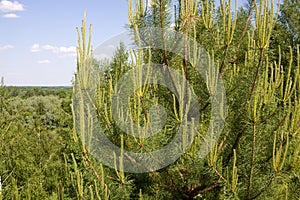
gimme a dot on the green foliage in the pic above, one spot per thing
(257, 154)
(33, 137)
(286, 31)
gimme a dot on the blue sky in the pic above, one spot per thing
(38, 37)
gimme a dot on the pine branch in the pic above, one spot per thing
(201, 189)
(235, 144)
(223, 60)
(247, 23)
(92, 167)
(252, 160)
(256, 74)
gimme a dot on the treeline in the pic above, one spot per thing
(26, 92)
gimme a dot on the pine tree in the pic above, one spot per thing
(257, 153)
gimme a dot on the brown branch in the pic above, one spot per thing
(237, 139)
(92, 167)
(247, 23)
(224, 57)
(219, 175)
(226, 68)
(256, 74)
(252, 159)
(201, 189)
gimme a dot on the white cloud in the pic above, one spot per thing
(35, 48)
(48, 47)
(11, 15)
(6, 47)
(71, 49)
(59, 50)
(9, 6)
(43, 61)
